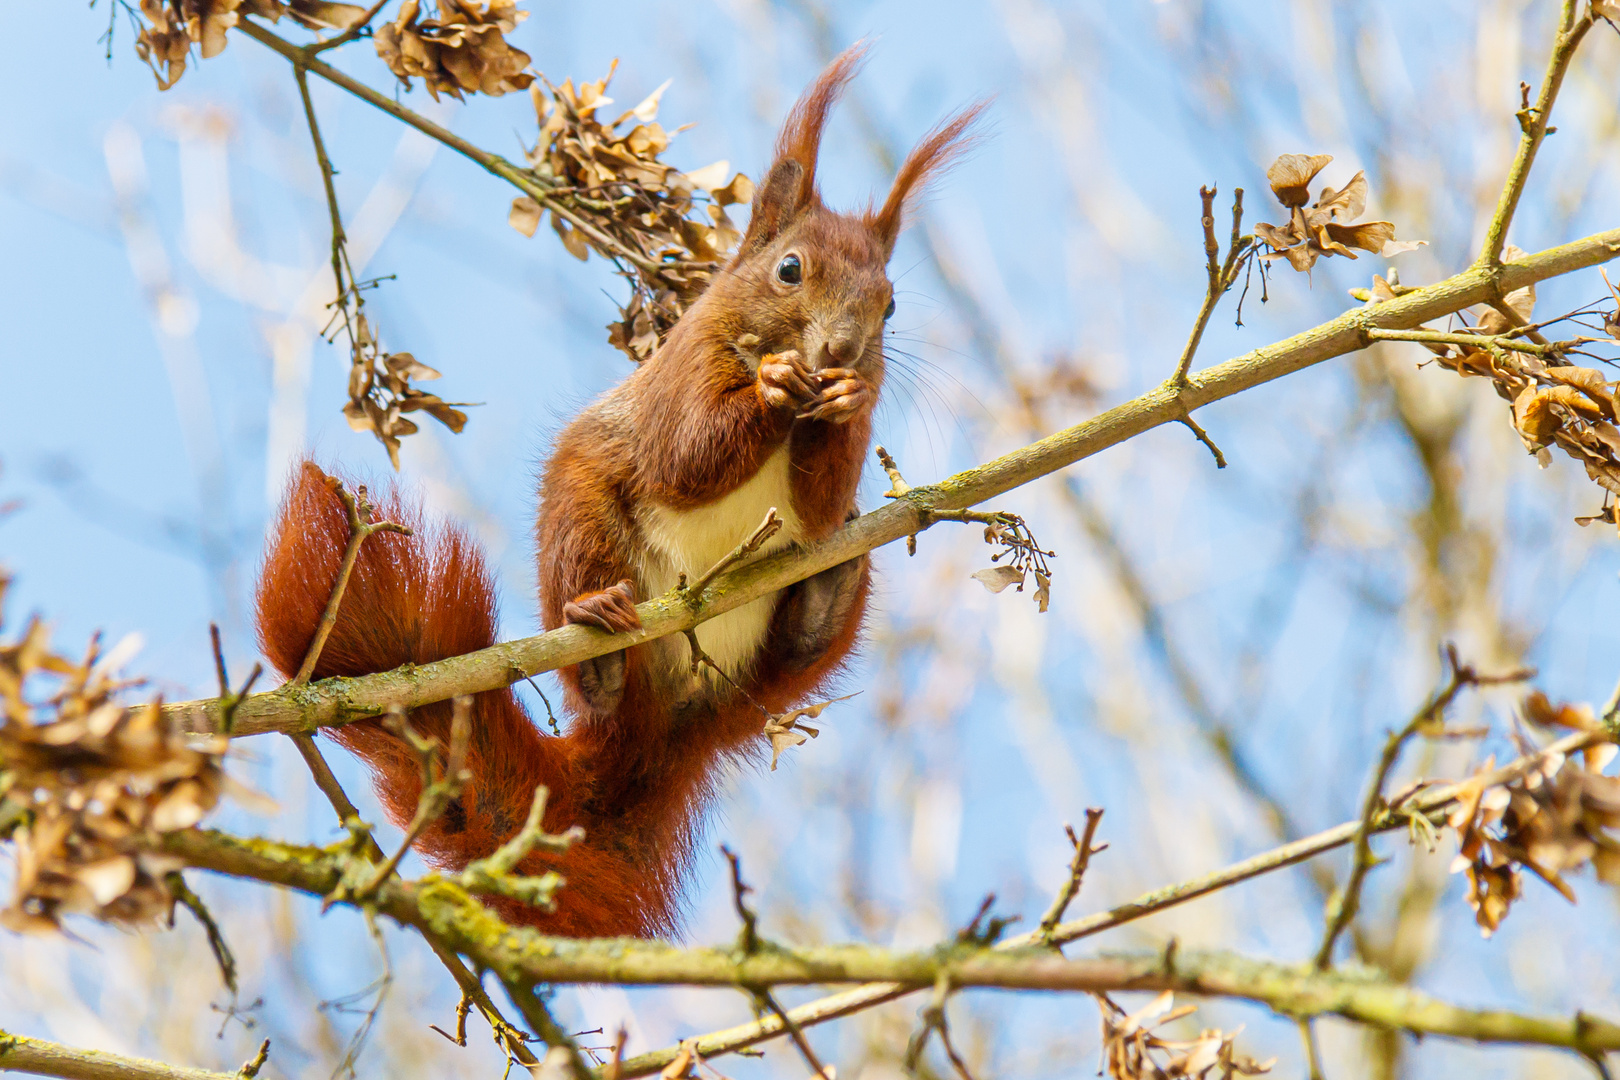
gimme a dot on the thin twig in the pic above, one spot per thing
(1221, 275)
(1342, 909)
(229, 699)
(250, 1068)
(1203, 437)
(795, 1034)
(1313, 1055)
(933, 1018)
(1083, 851)
(539, 1018)
(756, 539)
(436, 797)
(512, 1040)
(897, 483)
(748, 936)
(347, 814)
(342, 272)
(1430, 802)
(1533, 123)
(358, 510)
(463, 1008)
(358, 27)
(1518, 323)
(1212, 290)
(1543, 348)
(216, 937)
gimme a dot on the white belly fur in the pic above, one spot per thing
(691, 541)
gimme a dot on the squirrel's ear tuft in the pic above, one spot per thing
(928, 160)
(776, 204)
(790, 186)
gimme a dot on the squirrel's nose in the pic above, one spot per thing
(843, 349)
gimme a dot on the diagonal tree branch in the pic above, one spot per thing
(19, 1053)
(337, 701)
(304, 59)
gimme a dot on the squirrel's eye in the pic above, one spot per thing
(888, 312)
(790, 271)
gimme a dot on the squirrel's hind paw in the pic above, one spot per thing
(612, 609)
(601, 678)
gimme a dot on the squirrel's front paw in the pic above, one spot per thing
(785, 382)
(601, 678)
(844, 392)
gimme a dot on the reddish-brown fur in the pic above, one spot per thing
(697, 420)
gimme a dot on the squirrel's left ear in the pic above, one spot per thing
(937, 152)
(789, 188)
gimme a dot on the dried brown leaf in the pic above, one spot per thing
(997, 578)
(1290, 176)
(525, 215)
(788, 729)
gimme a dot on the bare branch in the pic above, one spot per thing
(336, 701)
(360, 527)
(523, 958)
(436, 797)
(1221, 276)
(539, 1017)
(19, 1053)
(835, 1006)
(216, 937)
(1544, 348)
(767, 529)
(1533, 124)
(1342, 909)
(1083, 851)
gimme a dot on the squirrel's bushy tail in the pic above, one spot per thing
(416, 599)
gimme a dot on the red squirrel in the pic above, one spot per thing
(761, 396)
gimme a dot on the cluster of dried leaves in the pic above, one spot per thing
(1131, 1050)
(1325, 227)
(1555, 403)
(461, 49)
(611, 193)
(1024, 557)
(1554, 819)
(86, 784)
(380, 390)
(789, 729)
(169, 28)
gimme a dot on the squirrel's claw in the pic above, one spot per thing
(844, 392)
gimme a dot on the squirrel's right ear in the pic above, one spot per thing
(939, 150)
(789, 188)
